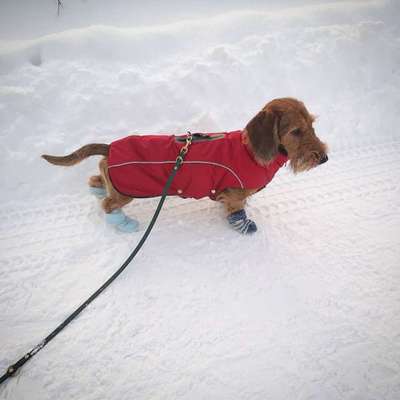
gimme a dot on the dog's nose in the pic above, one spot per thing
(323, 159)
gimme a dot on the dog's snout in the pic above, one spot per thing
(323, 159)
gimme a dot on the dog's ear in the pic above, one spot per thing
(263, 136)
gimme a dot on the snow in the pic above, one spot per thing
(308, 308)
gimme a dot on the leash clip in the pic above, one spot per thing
(184, 150)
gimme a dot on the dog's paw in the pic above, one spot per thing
(122, 222)
(239, 221)
(128, 226)
(99, 192)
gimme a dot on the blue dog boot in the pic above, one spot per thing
(99, 192)
(239, 221)
(122, 222)
(129, 225)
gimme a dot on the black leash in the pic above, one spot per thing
(12, 369)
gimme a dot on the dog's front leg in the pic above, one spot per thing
(234, 201)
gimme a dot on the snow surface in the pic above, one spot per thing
(307, 308)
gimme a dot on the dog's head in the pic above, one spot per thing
(284, 125)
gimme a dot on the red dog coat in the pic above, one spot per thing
(139, 166)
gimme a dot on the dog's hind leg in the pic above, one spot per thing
(109, 204)
(96, 181)
(114, 199)
(97, 187)
(113, 203)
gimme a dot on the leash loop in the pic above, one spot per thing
(12, 369)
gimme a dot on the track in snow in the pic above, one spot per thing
(353, 175)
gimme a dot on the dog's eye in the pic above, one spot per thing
(296, 132)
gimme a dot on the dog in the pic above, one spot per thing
(227, 167)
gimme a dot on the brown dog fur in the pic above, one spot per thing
(282, 125)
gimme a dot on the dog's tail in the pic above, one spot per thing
(94, 149)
